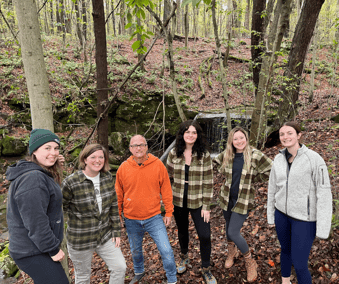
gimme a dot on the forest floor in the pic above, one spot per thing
(320, 134)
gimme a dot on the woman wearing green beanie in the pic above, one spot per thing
(34, 212)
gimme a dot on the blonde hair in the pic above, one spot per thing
(230, 149)
(89, 150)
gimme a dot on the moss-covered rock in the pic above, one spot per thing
(7, 264)
(140, 113)
(118, 142)
(12, 146)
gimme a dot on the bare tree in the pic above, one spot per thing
(257, 39)
(101, 64)
(302, 37)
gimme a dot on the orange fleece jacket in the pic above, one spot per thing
(139, 188)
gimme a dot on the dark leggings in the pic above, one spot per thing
(234, 222)
(42, 269)
(296, 239)
(203, 230)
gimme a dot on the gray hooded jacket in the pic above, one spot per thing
(303, 192)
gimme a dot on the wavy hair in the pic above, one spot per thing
(230, 149)
(200, 146)
(55, 170)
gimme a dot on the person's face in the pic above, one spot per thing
(190, 135)
(47, 154)
(138, 147)
(239, 141)
(288, 136)
(95, 162)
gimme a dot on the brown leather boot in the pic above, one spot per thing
(232, 253)
(251, 267)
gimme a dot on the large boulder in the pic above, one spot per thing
(12, 146)
(141, 113)
(119, 143)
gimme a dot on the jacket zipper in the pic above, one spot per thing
(308, 207)
(287, 174)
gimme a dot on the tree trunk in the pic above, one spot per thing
(258, 124)
(113, 19)
(257, 39)
(78, 25)
(84, 19)
(101, 63)
(34, 64)
(52, 17)
(314, 58)
(269, 9)
(222, 70)
(107, 13)
(122, 18)
(186, 26)
(302, 37)
(178, 17)
(247, 17)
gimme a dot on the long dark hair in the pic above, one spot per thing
(200, 146)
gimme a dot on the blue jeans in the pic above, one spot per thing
(296, 239)
(157, 230)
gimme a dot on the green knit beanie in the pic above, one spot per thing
(40, 137)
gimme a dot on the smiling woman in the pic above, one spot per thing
(241, 164)
(90, 201)
(34, 212)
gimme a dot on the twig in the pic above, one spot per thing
(112, 12)
(8, 25)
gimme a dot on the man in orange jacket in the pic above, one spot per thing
(141, 181)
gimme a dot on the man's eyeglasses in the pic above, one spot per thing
(136, 146)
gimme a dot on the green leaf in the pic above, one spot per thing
(185, 2)
(129, 17)
(136, 45)
(128, 26)
(143, 14)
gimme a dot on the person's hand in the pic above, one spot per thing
(117, 241)
(167, 221)
(206, 215)
(59, 256)
(61, 159)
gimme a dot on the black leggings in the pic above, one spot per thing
(203, 230)
(42, 269)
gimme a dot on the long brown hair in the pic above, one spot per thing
(230, 149)
(55, 170)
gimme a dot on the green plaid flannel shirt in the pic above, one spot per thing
(86, 227)
(259, 170)
(200, 180)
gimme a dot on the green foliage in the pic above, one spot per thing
(7, 264)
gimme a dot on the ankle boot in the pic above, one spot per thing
(232, 253)
(251, 267)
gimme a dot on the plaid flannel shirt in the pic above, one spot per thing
(259, 169)
(86, 227)
(200, 180)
